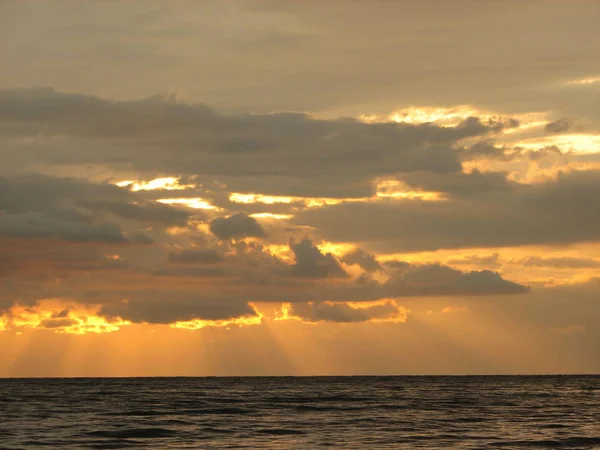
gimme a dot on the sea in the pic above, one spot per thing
(399, 412)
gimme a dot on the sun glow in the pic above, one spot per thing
(385, 189)
(584, 81)
(237, 197)
(283, 252)
(194, 203)
(3, 323)
(528, 121)
(442, 116)
(244, 321)
(61, 317)
(453, 115)
(576, 142)
(285, 313)
(166, 183)
(280, 251)
(272, 216)
(454, 309)
(538, 174)
(309, 202)
(338, 249)
(396, 189)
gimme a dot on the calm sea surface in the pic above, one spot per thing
(286, 413)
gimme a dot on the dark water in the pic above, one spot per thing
(345, 412)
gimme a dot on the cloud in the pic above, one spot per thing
(559, 126)
(34, 224)
(562, 262)
(236, 227)
(492, 260)
(58, 322)
(152, 213)
(484, 150)
(37, 205)
(65, 238)
(385, 311)
(363, 259)
(59, 316)
(281, 153)
(461, 184)
(553, 212)
(51, 259)
(214, 154)
(397, 265)
(310, 262)
(180, 307)
(437, 279)
(161, 285)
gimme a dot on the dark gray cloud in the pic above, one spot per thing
(310, 262)
(344, 313)
(282, 153)
(35, 191)
(35, 224)
(463, 184)
(363, 259)
(150, 213)
(58, 322)
(553, 212)
(437, 279)
(397, 265)
(237, 226)
(169, 307)
(492, 260)
(148, 276)
(484, 150)
(548, 151)
(38, 205)
(229, 300)
(561, 125)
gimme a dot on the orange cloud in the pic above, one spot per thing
(379, 311)
(60, 316)
(242, 321)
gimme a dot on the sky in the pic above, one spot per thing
(262, 187)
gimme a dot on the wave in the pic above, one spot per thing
(570, 442)
(133, 433)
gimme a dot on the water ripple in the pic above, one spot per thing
(282, 413)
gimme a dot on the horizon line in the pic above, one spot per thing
(308, 376)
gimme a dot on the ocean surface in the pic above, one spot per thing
(471, 412)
